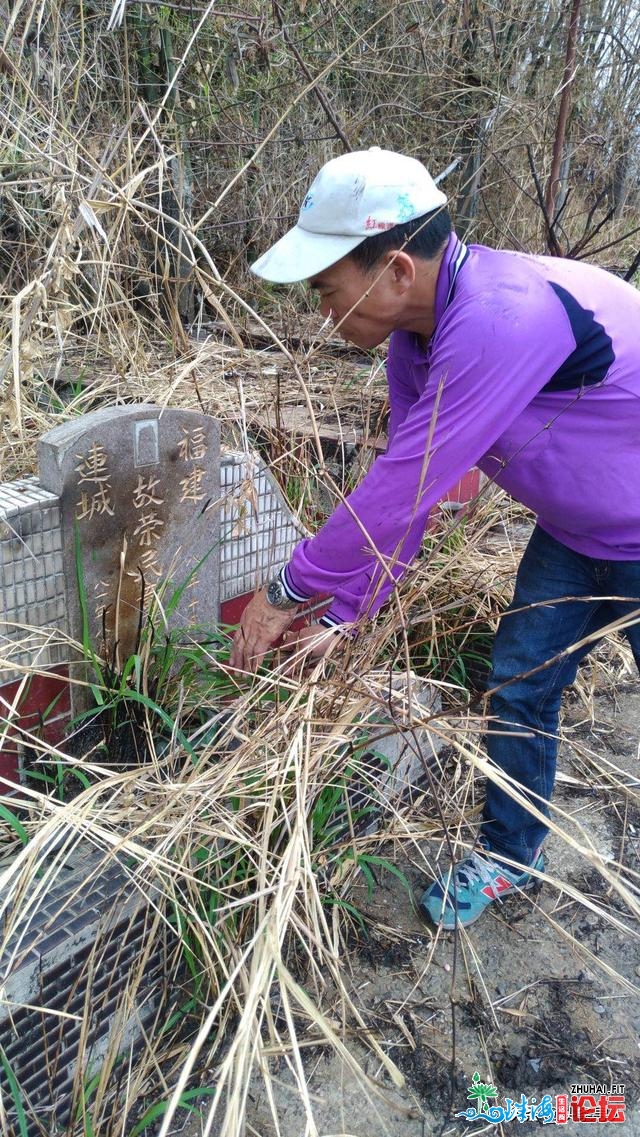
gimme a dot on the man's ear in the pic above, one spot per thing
(402, 269)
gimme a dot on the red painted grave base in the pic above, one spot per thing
(466, 489)
(46, 694)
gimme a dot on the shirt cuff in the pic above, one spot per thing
(328, 620)
(291, 591)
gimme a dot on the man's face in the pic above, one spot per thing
(366, 306)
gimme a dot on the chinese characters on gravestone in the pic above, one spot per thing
(140, 493)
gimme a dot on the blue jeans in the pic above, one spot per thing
(526, 688)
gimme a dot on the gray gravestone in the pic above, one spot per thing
(140, 496)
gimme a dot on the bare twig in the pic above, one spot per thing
(317, 89)
(552, 240)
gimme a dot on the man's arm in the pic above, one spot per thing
(266, 619)
(485, 367)
(492, 355)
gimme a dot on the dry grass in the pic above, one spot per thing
(266, 923)
(116, 220)
(143, 160)
(235, 845)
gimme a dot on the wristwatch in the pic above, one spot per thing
(278, 598)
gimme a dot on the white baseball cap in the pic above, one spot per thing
(353, 197)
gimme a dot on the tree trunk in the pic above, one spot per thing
(563, 113)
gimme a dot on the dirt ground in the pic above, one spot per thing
(523, 997)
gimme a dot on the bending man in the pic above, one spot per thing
(528, 367)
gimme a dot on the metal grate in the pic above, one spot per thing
(258, 528)
(66, 998)
(31, 577)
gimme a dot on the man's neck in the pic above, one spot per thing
(419, 314)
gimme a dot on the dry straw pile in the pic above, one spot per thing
(249, 848)
(146, 151)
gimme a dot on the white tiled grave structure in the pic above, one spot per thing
(128, 499)
(144, 492)
(131, 494)
(32, 586)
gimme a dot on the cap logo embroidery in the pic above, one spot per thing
(406, 208)
(307, 203)
(372, 223)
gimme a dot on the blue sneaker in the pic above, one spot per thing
(476, 883)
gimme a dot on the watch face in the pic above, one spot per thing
(277, 596)
(275, 593)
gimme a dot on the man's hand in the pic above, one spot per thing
(261, 626)
(308, 645)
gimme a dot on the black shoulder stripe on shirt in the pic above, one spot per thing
(593, 354)
(454, 269)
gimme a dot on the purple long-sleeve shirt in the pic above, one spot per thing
(532, 373)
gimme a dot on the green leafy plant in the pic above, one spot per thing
(65, 397)
(16, 1095)
(367, 862)
(334, 811)
(14, 823)
(87, 1089)
(166, 684)
(456, 645)
(460, 652)
(56, 777)
(186, 1101)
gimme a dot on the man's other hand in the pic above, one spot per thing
(260, 628)
(308, 645)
